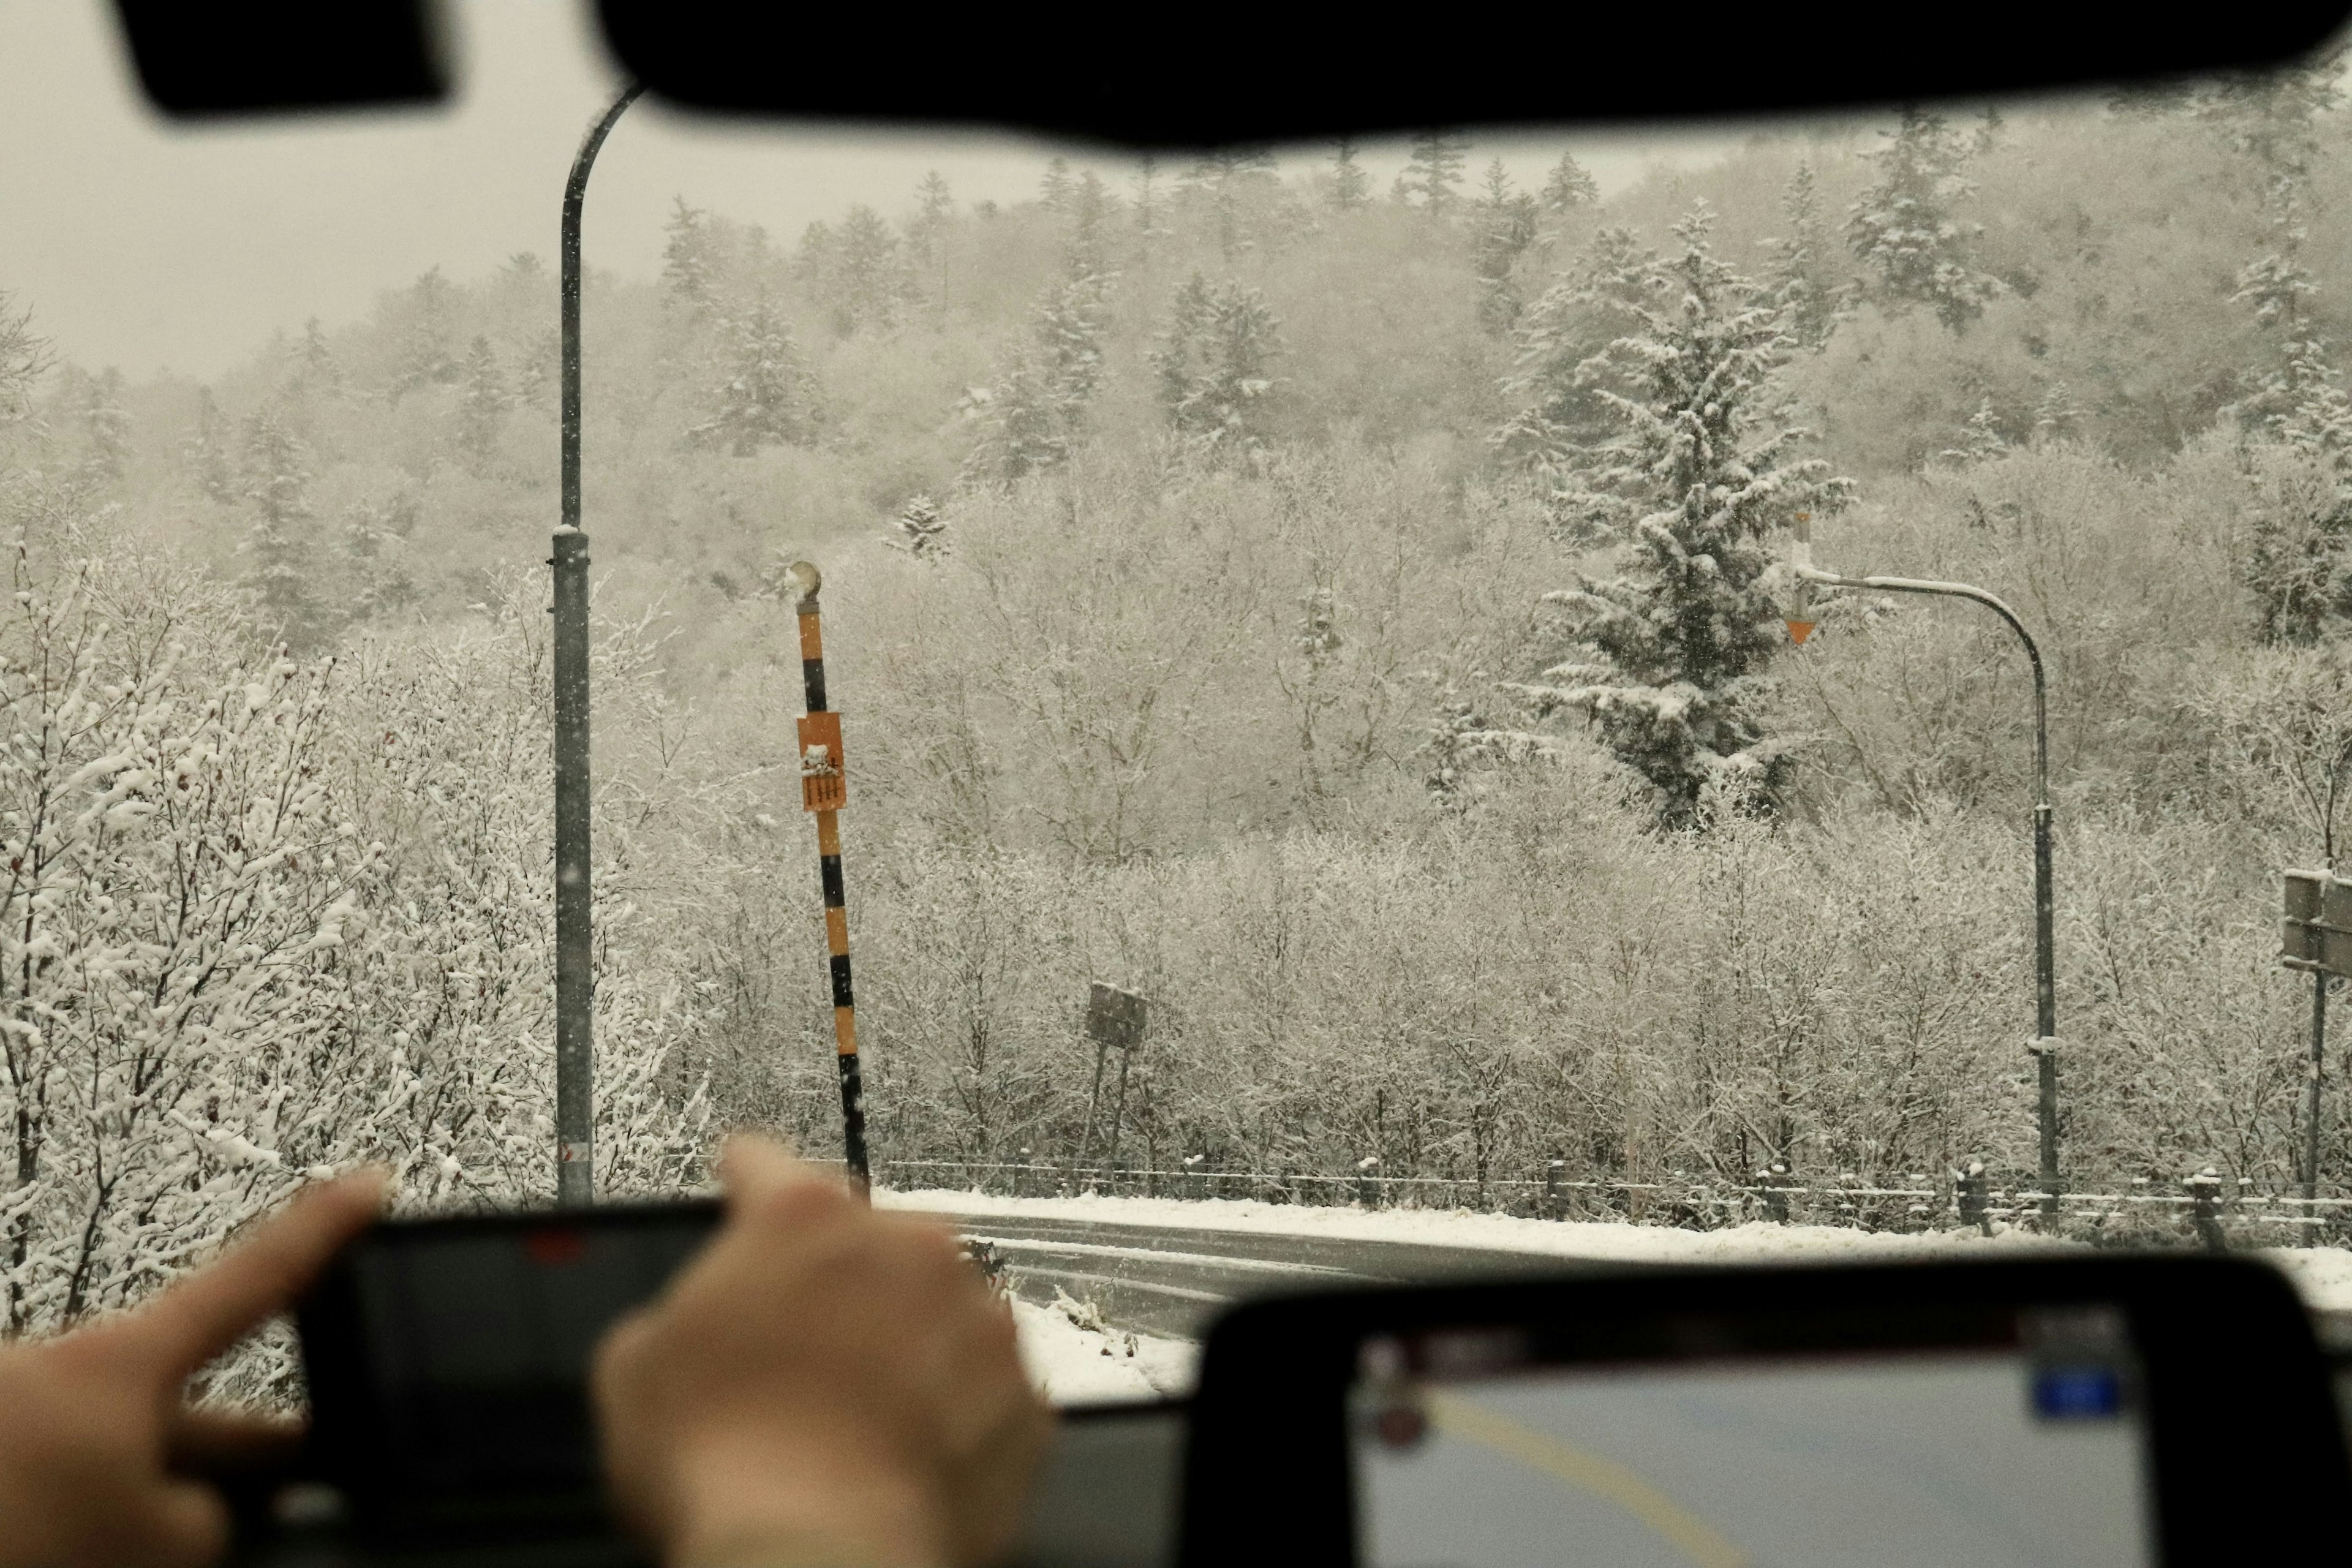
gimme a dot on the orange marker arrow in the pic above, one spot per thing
(1800, 630)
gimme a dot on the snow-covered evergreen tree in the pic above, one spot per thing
(1505, 226)
(1561, 378)
(317, 372)
(1055, 190)
(928, 236)
(1230, 180)
(766, 396)
(281, 548)
(375, 547)
(1700, 474)
(690, 263)
(1214, 362)
(426, 356)
(1980, 437)
(1034, 416)
(1149, 205)
(482, 408)
(1352, 188)
(2055, 415)
(1810, 296)
(1904, 227)
(2298, 562)
(210, 460)
(106, 426)
(923, 529)
(865, 283)
(1433, 171)
(1569, 187)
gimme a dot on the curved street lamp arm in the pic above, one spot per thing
(1993, 603)
(575, 192)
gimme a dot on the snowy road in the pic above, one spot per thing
(1172, 1280)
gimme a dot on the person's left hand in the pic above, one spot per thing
(99, 1457)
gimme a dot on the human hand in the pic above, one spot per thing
(99, 1459)
(825, 1384)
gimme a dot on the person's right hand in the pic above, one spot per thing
(825, 1384)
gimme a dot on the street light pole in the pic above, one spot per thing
(576, 1017)
(2044, 1044)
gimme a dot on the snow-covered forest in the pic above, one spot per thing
(1348, 616)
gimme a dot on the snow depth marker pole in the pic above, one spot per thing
(824, 790)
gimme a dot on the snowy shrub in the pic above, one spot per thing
(264, 920)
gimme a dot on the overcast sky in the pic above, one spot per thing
(147, 247)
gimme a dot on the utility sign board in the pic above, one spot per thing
(822, 787)
(1115, 1017)
(2317, 931)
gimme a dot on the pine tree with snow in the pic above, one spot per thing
(928, 236)
(1230, 179)
(1810, 297)
(2055, 417)
(1214, 362)
(1149, 204)
(923, 529)
(1562, 380)
(316, 369)
(1034, 417)
(1504, 221)
(482, 408)
(690, 265)
(207, 453)
(1569, 187)
(2275, 119)
(865, 284)
(1433, 171)
(1352, 188)
(1980, 437)
(767, 395)
(1092, 207)
(1698, 478)
(1905, 228)
(426, 357)
(1054, 192)
(106, 424)
(281, 552)
(375, 548)
(2298, 563)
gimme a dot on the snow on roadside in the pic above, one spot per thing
(2324, 1274)
(1074, 1360)
(1613, 1241)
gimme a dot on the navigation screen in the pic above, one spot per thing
(1468, 1456)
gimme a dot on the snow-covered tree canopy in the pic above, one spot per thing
(1700, 477)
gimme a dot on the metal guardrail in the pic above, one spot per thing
(2205, 1207)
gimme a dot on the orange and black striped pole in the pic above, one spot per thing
(824, 790)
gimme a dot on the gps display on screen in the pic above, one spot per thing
(2027, 1453)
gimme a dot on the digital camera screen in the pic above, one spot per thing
(475, 1344)
(1467, 1454)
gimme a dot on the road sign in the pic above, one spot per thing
(1115, 1017)
(2317, 931)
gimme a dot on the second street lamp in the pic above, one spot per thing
(2044, 1044)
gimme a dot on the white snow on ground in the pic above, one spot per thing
(2323, 1273)
(1073, 1360)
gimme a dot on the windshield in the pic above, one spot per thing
(1704, 691)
